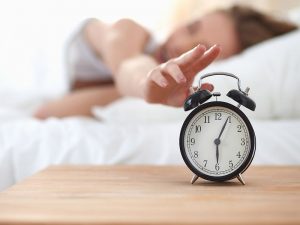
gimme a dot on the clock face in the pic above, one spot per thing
(217, 141)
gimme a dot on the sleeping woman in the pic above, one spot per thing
(106, 62)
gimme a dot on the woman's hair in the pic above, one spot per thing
(253, 26)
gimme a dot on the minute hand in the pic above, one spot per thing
(223, 128)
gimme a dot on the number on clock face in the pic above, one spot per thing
(217, 141)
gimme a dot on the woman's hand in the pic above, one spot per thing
(169, 82)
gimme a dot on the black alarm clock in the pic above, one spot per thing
(217, 141)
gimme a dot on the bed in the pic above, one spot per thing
(131, 131)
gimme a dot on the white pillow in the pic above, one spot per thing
(294, 15)
(272, 71)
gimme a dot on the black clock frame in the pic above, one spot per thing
(242, 167)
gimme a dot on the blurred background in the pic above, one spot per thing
(34, 32)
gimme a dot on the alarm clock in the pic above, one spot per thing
(217, 141)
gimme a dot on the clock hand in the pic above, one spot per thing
(217, 141)
(223, 128)
(217, 154)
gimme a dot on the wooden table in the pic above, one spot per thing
(151, 195)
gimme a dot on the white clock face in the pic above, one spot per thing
(217, 141)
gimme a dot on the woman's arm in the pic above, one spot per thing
(117, 42)
(124, 39)
(78, 103)
(139, 75)
(167, 83)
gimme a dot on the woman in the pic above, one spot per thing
(110, 61)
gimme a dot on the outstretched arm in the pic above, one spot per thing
(139, 75)
(167, 83)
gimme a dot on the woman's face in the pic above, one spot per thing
(211, 29)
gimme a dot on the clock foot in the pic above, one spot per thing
(195, 177)
(240, 178)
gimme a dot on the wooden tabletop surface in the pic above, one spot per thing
(151, 195)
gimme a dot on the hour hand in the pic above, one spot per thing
(217, 143)
(217, 154)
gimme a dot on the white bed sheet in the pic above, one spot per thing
(28, 145)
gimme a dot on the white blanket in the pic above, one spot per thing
(28, 145)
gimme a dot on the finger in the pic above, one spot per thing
(209, 56)
(159, 79)
(207, 86)
(189, 57)
(192, 90)
(173, 70)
